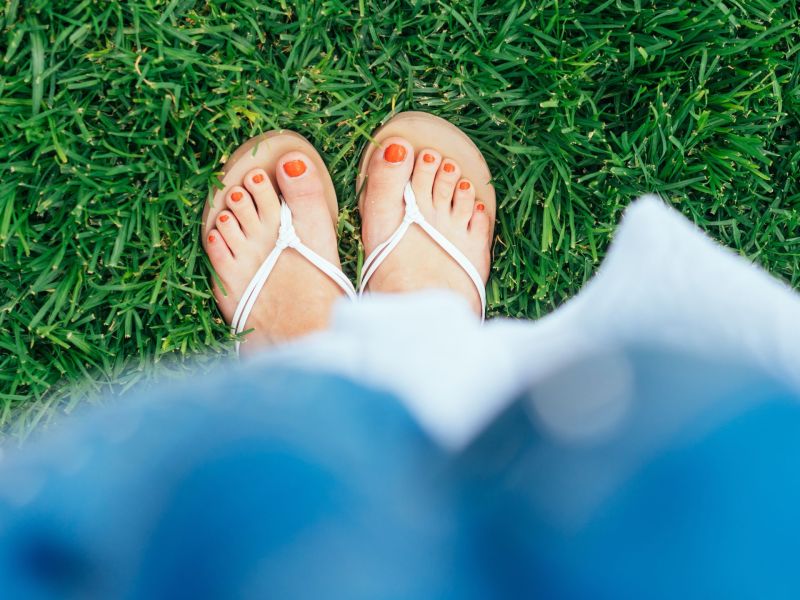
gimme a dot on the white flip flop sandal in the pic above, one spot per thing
(263, 152)
(424, 130)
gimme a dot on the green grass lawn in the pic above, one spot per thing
(115, 117)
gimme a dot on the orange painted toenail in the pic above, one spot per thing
(464, 185)
(394, 153)
(428, 158)
(294, 168)
(223, 218)
(448, 168)
(236, 196)
(480, 207)
(258, 178)
(211, 239)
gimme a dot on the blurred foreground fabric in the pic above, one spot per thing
(678, 477)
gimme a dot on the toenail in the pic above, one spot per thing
(258, 178)
(211, 239)
(464, 185)
(428, 158)
(448, 168)
(223, 218)
(394, 153)
(294, 168)
(480, 207)
(236, 196)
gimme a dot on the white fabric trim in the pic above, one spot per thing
(287, 238)
(663, 284)
(414, 216)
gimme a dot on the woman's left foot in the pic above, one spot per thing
(446, 197)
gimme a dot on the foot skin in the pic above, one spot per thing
(446, 198)
(297, 297)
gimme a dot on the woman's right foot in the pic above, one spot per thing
(446, 198)
(297, 298)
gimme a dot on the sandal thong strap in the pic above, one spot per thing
(414, 216)
(287, 238)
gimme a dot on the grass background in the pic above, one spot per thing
(115, 116)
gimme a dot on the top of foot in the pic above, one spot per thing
(297, 297)
(446, 197)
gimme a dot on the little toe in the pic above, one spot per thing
(218, 252)
(224, 264)
(258, 183)
(480, 222)
(445, 184)
(241, 204)
(425, 168)
(463, 201)
(231, 232)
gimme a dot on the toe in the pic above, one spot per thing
(390, 169)
(218, 252)
(233, 235)
(445, 184)
(381, 198)
(264, 195)
(298, 179)
(463, 201)
(241, 205)
(480, 223)
(303, 189)
(425, 168)
(223, 263)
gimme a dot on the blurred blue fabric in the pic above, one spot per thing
(704, 507)
(286, 484)
(243, 485)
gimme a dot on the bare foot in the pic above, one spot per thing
(446, 198)
(297, 297)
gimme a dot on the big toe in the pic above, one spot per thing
(298, 179)
(303, 189)
(389, 169)
(381, 204)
